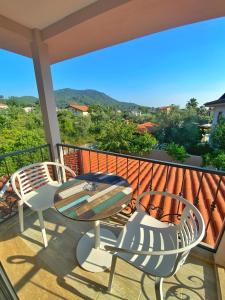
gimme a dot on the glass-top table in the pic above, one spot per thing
(93, 197)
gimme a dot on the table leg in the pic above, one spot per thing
(97, 234)
(90, 251)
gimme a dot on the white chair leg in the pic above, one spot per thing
(41, 220)
(111, 275)
(158, 288)
(20, 211)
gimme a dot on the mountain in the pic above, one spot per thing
(23, 100)
(65, 96)
(88, 97)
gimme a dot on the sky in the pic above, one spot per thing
(165, 68)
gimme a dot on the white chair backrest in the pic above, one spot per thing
(190, 230)
(191, 227)
(32, 177)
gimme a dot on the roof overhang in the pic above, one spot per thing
(214, 105)
(72, 28)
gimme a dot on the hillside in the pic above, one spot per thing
(67, 95)
(88, 97)
(23, 100)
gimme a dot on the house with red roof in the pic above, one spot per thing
(165, 108)
(79, 109)
(3, 106)
(148, 126)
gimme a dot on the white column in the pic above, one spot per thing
(45, 91)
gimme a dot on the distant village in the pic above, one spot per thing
(216, 106)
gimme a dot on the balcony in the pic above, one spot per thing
(53, 273)
(49, 36)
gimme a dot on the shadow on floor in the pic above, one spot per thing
(59, 260)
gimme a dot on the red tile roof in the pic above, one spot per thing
(2, 105)
(160, 177)
(165, 107)
(9, 206)
(148, 126)
(83, 108)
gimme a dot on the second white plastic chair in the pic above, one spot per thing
(157, 248)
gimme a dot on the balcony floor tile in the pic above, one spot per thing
(53, 273)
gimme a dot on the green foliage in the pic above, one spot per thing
(100, 115)
(215, 159)
(120, 136)
(89, 97)
(201, 149)
(181, 126)
(19, 130)
(65, 96)
(177, 152)
(219, 160)
(218, 135)
(22, 101)
(142, 143)
(73, 128)
(204, 116)
(192, 104)
(116, 136)
(178, 126)
(111, 130)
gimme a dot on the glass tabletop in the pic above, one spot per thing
(93, 196)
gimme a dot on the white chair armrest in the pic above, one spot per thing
(161, 252)
(13, 182)
(61, 166)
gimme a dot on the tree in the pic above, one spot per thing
(121, 136)
(215, 159)
(74, 129)
(177, 152)
(218, 135)
(12, 101)
(116, 136)
(204, 115)
(142, 143)
(179, 127)
(18, 131)
(192, 104)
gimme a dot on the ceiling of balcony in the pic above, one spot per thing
(72, 28)
(42, 13)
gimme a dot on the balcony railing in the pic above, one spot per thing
(9, 163)
(205, 188)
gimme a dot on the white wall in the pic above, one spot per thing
(216, 113)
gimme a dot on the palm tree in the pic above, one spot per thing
(192, 103)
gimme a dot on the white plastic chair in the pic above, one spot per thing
(157, 248)
(35, 187)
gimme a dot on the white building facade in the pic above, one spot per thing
(218, 107)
